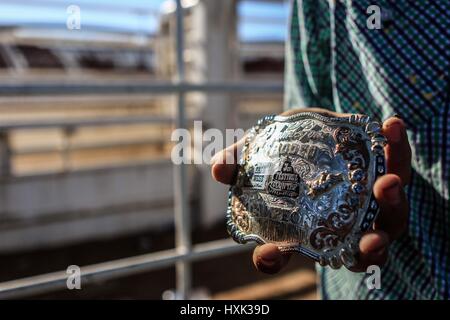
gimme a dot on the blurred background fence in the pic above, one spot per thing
(86, 118)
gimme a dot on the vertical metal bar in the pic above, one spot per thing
(182, 214)
(67, 148)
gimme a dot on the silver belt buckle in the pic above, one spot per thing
(305, 184)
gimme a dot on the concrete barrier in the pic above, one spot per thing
(56, 209)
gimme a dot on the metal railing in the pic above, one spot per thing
(185, 253)
(120, 268)
(138, 87)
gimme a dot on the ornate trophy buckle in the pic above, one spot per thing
(305, 184)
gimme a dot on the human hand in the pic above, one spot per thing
(388, 191)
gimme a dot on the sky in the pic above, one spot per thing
(118, 14)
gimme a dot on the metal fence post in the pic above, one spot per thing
(182, 214)
(68, 133)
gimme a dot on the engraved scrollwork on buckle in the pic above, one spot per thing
(305, 184)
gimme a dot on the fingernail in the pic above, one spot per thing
(265, 265)
(395, 134)
(392, 194)
(269, 258)
(268, 268)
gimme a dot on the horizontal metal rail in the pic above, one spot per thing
(75, 123)
(50, 282)
(157, 142)
(24, 89)
(258, 20)
(85, 5)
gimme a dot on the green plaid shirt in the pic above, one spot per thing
(335, 61)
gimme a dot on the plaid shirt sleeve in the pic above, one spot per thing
(308, 57)
(334, 61)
